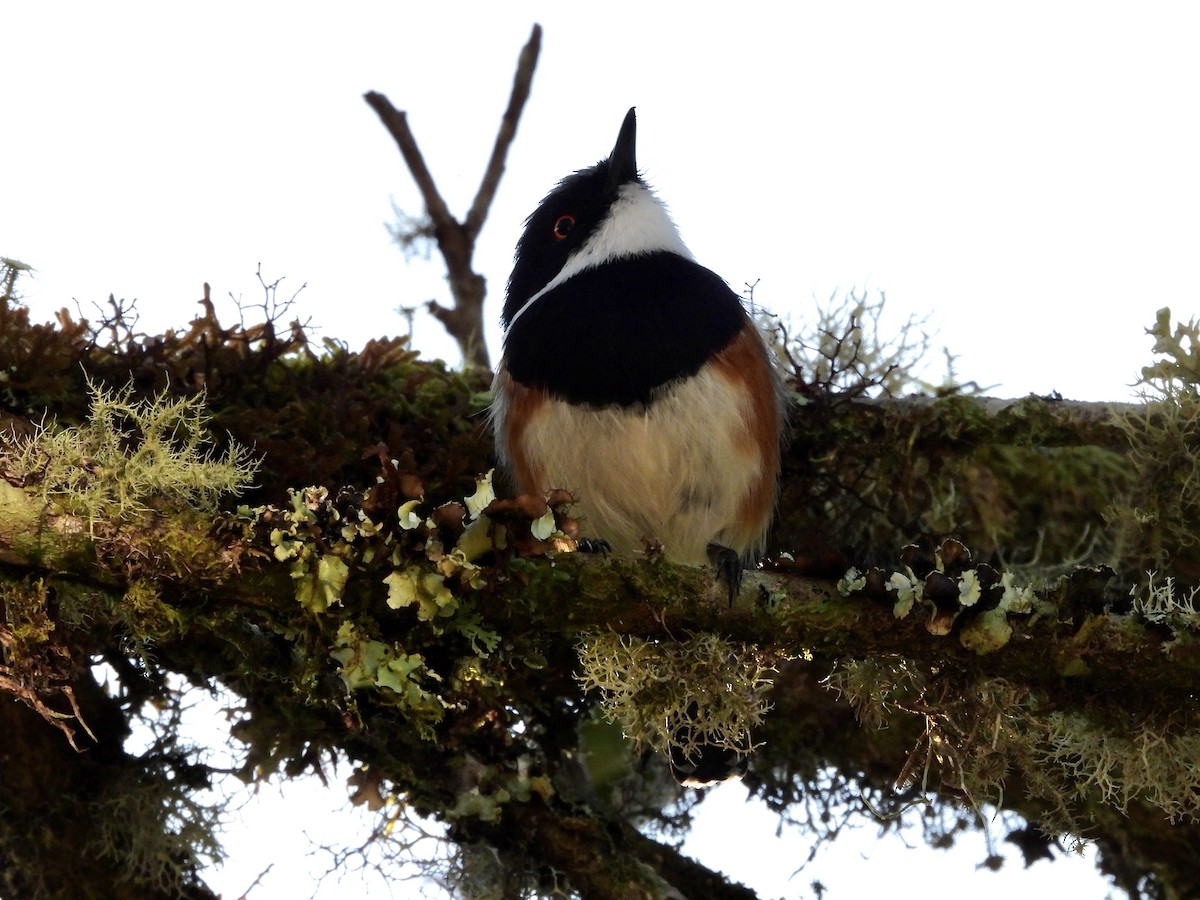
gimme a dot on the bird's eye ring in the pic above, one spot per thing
(563, 226)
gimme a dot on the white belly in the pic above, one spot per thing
(676, 471)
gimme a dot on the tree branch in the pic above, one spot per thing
(522, 81)
(456, 240)
(456, 685)
(396, 122)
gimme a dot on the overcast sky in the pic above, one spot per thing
(1025, 174)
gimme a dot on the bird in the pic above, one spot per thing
(634, 377)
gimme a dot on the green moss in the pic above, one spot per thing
(27, 626)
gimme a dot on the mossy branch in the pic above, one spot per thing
(436, 644)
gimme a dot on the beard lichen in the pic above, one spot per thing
(130, 455)
(704, 690)
(1147, 764)
(979, 735)
(158, 830)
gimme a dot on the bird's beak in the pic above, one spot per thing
(622, 164)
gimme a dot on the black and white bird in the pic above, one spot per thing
(633, 377)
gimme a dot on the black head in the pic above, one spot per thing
(605, 303)
(567, 216)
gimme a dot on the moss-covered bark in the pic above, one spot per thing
(959, 572)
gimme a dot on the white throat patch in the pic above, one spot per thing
(637, 223)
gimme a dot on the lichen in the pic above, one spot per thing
(400, 679)
(157, 830)
(976, 736)
(1159, 511)
(1162, 601)
(129, 456)
(702, 690)
(1147, 763)
(952, 590)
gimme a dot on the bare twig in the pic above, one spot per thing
(456, 240)
(508, 130)
(30, 698)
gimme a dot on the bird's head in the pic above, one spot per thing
(597, 214)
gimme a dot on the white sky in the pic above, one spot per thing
(1024, 173)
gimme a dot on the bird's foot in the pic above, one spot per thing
(593, 545)
(729, 568)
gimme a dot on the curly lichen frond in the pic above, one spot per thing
(700, 691)
(130, 454)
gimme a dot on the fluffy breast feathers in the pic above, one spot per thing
(696, 465)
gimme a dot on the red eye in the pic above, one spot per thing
(563, 226)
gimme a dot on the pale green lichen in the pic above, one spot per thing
(1148, 765)
(426, 591)
(324, 548)
(969, 589)
(1181, 348)
(974, 737)
(483, 496)
(401, 679)
(129, 455)
(991, 630)
(1017, 598)
(320, 572)
(715, 687)
(407, 515)
(487, 804)
(544, 527)
(853, 580)
(907, 587)
(326, 585)
(986, 632)
(1164, 449)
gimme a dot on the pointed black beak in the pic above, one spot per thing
(622, 164)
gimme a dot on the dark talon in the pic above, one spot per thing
(593, 545)
(729, 568)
